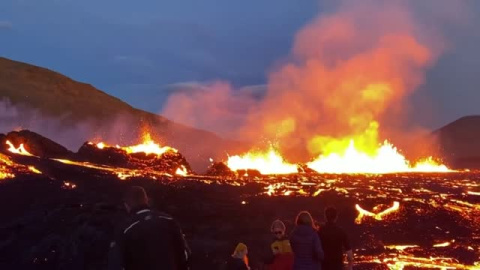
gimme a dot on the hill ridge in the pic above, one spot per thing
(51, 94)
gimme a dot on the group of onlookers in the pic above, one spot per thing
(152, 240)
(309, 247)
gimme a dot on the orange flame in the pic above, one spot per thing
(148, 146)
(386, 159)
(20, 150)
(357, 154)
(270, 162)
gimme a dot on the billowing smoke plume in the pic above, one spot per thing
(349, 76)
(348, 72)
(215, 106)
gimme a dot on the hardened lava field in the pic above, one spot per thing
(61, 212)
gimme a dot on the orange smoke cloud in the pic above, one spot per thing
(349, 74)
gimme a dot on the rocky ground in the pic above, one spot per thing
(57, 215)
(47, 223)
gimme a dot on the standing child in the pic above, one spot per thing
(281, 249)
(239, 259)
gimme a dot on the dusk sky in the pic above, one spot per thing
(137, 50)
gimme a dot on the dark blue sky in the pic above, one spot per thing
(134, 50)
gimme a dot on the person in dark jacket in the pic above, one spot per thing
(148, 240)
(239, 259)
(334, 242)
(305, 243)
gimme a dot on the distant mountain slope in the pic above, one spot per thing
(52, 95)
(459, 142)
(55, 94)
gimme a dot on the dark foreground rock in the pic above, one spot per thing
(35, 143)
(169, 162)
(47, 223)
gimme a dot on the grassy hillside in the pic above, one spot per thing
(54, 95)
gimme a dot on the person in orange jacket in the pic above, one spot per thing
(282, 256)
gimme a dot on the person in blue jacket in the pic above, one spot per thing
(306, 245)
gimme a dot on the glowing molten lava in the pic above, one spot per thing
(182, 171)
(384, 160)
(101, 145)
(9, 169)
(5, 163)
(68, 185)
(148, 146)
(358, 153)
(270, 162)
(18, 150)
(34, 170)
(377, 216)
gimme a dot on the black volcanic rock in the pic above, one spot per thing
(35, 144)
(219, 169)
(168, 162)
(108, 156)
(303, 168)
(459, 142)
(46, 226)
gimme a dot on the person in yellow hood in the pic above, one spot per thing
(281, 249)
(239, 259)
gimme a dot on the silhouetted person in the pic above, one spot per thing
(282, 256)
(148, 240)
(239, 259)
(306, 245)
(334, 242)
